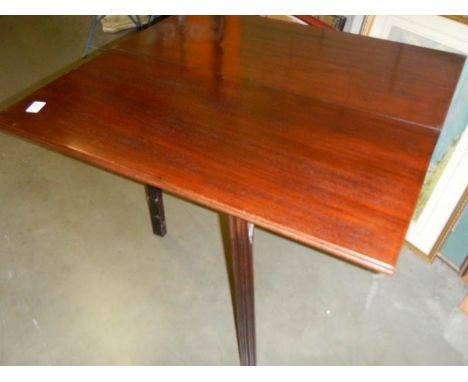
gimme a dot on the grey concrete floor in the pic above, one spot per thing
(83, 281)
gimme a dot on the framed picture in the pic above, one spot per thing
(454, 250)
(447, 176)
(335, 21)
(321, 21)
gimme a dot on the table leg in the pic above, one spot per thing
(156, 208)
(241, 234)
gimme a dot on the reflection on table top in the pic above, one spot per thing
(318, 135)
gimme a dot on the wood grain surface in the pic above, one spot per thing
(317, 135)
(379, 76)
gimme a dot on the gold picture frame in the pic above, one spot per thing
(367, 25)
(460, 18)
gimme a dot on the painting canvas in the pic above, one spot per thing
(454, 128)
(447, 176)
(455, 249)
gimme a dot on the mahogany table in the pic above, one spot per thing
(320, 136)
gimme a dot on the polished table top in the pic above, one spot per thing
(320, 136)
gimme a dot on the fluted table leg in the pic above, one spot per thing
(241, 234)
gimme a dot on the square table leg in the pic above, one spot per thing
(241, 234)
(156, 208)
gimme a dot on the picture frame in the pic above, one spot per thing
(454, 250)
(334, 22)
(366, 25)
(447, 177)
(460, 18)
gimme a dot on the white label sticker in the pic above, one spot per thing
(35, 107)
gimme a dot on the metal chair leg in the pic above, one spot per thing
(92, 28)
(136, 20)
